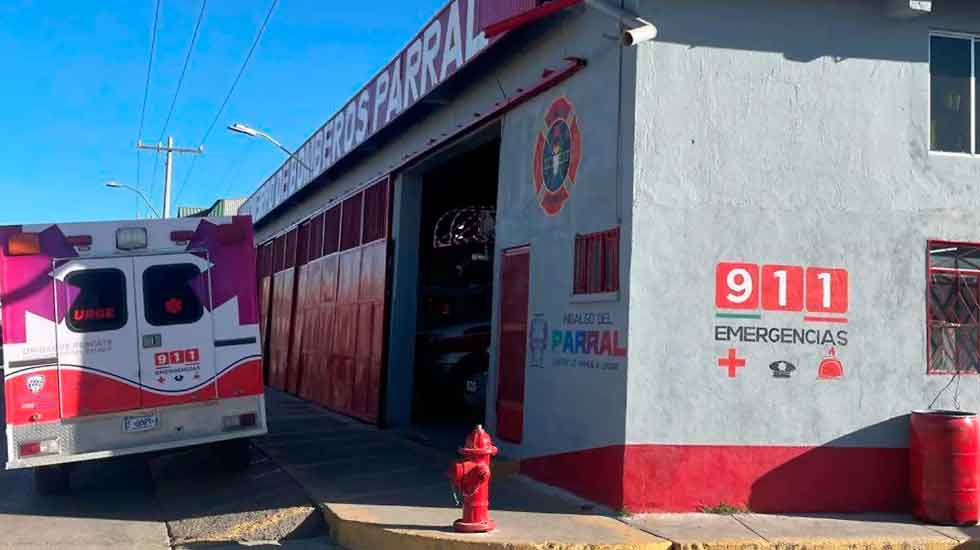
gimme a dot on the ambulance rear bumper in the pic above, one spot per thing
(98, 437)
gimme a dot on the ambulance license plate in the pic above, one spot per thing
(140, 423)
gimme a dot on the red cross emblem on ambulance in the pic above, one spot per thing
(557, 156)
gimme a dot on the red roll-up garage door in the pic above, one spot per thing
(294, 361)
(283, 293)
(341, 306)
(264, 273)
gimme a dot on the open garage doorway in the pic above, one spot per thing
(455, 292)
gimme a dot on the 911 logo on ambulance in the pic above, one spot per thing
(180, 357)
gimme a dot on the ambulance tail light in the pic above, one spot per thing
(38, 448)
(24, 244)
(131, 238)
(239, 421)
(81, 242)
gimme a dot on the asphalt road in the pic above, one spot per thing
(179, 500)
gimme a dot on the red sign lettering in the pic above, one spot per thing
(782, 288)
(826, 290)
(737, 286)
(746, 286)
(178, 357)
(94, 314)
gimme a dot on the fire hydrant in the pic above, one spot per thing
(470, 478)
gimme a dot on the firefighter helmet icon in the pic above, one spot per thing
(830, 367)
(35, 383)
(557, 156)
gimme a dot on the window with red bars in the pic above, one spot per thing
(596, 267)
(265, 260)
(331, 231)
(303, 244)
(954, 308)
(279, 254)
(291, 248)
(316, 236)
(350, 225)
(376, 212)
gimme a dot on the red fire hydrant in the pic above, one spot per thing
(470, 477)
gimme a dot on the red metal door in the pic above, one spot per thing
(295, 363)
(514, 293)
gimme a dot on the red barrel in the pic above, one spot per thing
(944, 449)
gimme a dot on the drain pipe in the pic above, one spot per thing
(638, 30)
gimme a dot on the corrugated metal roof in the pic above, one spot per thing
(221, 207)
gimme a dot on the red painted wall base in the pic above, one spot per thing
(684, 478)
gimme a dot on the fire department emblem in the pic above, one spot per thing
(557, 156)
(35, 383)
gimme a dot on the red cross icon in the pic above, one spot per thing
(732, 362)
(173, 306)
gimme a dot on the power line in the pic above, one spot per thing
(183, 71)
(146, 90)
(231, 90)
(235, 166)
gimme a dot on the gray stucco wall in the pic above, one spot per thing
(573, 401)
(790, 133)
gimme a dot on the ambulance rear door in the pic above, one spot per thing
(98, 365)
(176, 332)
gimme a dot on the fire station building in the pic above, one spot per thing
(721, 265)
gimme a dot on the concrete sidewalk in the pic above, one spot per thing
(378, 490)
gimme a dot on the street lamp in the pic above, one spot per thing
(117, 185)
(252, 132)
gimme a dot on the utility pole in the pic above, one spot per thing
(168, 174)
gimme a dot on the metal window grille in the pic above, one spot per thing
(954, 308)
(596, 264)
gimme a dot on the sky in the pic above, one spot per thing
(75, 77)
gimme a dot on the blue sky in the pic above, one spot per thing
(73, 86)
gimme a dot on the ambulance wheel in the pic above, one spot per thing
(51, 480)
(234, 455)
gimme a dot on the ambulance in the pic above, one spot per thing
(128, 337)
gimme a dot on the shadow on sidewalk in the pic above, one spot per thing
(342, 461)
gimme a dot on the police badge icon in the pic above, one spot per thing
(782, 369)
(557, 156)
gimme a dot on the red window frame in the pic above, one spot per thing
(952, 308)
(596, 263)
